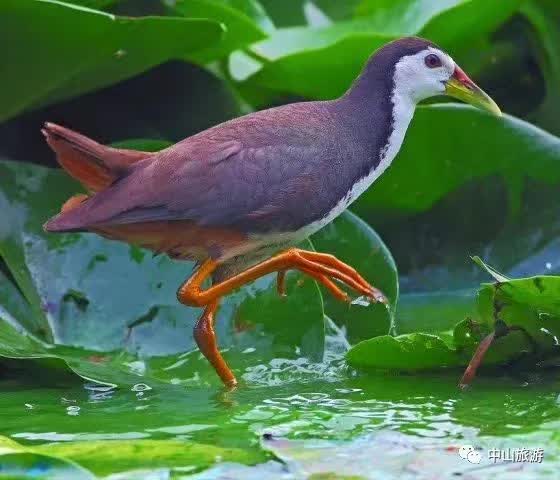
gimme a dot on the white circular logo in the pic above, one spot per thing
(468, 452)
(465, 450)
(474, 457)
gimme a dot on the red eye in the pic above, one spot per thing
(432, 61)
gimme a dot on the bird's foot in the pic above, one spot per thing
(330, 266)
(323, 268)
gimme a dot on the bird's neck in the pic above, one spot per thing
(402, 111)
(380, 112)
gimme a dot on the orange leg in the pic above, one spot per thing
(206, 340)
(321, 267)
(190, 293)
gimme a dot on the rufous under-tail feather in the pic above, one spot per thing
(94, 165)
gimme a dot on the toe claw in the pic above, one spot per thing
(378, 296)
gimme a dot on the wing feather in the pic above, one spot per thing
(254, 174)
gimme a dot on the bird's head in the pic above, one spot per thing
(419, 69)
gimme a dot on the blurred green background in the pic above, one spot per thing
(146, 73)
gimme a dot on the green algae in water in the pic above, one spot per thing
(294, 399)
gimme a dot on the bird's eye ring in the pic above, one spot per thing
(432, 61)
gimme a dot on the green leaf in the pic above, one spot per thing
(530, 305)
(414, 351)
(404, 17)
(294, 60)
(245, 23)
(69, 283)
(354, 242)
(83, 49)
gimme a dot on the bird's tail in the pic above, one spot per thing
(94, 165)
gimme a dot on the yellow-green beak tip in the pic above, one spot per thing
(460, 86)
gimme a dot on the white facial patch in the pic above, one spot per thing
(416, 81)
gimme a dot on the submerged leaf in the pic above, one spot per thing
(17, 461)
(69, 460)
(104, 457)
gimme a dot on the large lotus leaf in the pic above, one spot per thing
(69, 285)
(83, 49)
(294, 60)
(353, 241)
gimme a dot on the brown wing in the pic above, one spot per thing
(259, 173)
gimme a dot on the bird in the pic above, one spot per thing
(238, 197)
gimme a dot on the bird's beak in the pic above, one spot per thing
(460, 86)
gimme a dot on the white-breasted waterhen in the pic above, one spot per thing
(237, 197)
